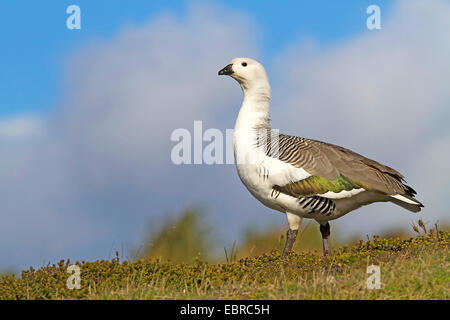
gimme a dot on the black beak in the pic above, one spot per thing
(226, 71)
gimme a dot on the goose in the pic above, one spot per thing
(300, 177)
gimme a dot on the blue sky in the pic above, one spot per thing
(36, 43)
(86, 115)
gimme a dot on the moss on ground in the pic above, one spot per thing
(417, 268)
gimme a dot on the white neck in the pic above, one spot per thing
(254, 111)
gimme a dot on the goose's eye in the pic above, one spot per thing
(244, 64)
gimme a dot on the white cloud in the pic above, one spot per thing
(21, 127)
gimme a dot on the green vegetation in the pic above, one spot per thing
(415, 268)
(180, 240)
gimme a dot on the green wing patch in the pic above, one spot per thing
(316, 185)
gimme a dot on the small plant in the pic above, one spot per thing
(233, 253)
(422, 225)
(180, 240)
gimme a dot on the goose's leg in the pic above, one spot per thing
(325, 231)
(294, 223)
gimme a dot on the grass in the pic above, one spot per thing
(415, 268)
(179, 240)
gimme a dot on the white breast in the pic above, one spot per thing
(260, 173)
